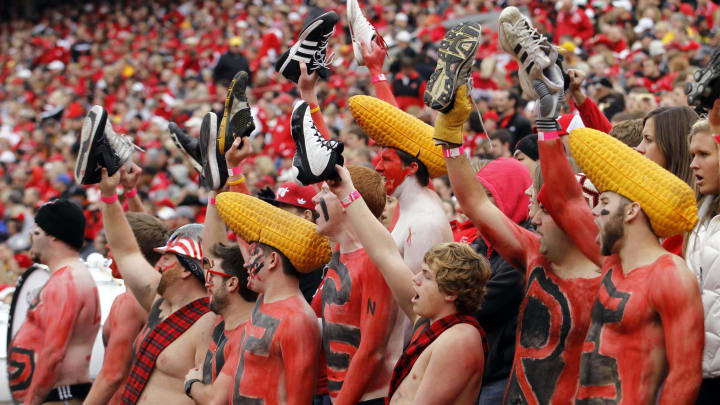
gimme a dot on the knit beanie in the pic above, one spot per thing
(63, 219)
(529, 146)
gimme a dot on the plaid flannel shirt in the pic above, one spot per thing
(416, 346)
(156, 341)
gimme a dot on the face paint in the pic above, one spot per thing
(604, 212)
(323, 207)
(256, 262)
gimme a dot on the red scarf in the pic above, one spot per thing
(416, 346)
(156, 341)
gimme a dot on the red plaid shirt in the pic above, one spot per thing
(156, 341)
(423, 340)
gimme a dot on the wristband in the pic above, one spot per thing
(547, 136)
(132, 193)
(379, 78)
(109, 200)
(236, 182)
(211, 200)
(454, 152)
(313, 108)
(354, 195)
(235, 171)
(188, 386)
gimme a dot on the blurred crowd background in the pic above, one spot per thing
(150, 62)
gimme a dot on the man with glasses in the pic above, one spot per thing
(226, 281)
(179, 324)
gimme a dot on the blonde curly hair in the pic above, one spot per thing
(459, 271)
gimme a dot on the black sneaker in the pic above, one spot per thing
(188, 145)
(237, 120)
(213, 163)
(706, 89)
(315, 157)
(455, 58)
(310, 48)
(100, 147)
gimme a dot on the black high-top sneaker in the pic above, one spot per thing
(310, 48)
(706, 89)
(100, 147)
(188, 145)
(213, 163)
(315, 157)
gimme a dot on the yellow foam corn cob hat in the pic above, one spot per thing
(612, 166)
(390, 126)
(254, 220)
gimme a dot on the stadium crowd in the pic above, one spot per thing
(150, 63)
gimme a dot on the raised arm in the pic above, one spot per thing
(374, 59)
(375, 329)
(563, 199)
(62, 296)
(379, 245)
(676, 297)
(590, 114)
(508, 238)
(306, 86)
(138, 274)
(129, 180)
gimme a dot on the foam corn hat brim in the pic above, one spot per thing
(254, 220)
(612, 166)
(392, 127)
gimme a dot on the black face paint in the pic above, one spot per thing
(604, 212)
(323, 206)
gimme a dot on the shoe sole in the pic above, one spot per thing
(455, 57)
(208, 148)
(241, 122)
(703, 92)
(294, 48)
(92, 130)
(193, 162)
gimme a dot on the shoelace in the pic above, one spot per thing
(324, 143)
(529, 38)
(121, 144)
(319, 59)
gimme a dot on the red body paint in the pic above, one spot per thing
(280, 343)
(52, 344)
(641, 323)
(359, 317)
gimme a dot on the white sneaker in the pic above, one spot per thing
(361, 31)
(536, 55)
(315, 157)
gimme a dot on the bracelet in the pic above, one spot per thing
(211, 200)
(109, 200)
(547, 136)
(236, 182)
(454, 152)
(315, 109)
(354, 195)
(132, 193)
(235, 171)
(379, 78)
(188, 387)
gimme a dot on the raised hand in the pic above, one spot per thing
(344, 186)
(108, 184)
(306, 85)
(129, 179)
(374, 57)
(239, 151)
(577, 77)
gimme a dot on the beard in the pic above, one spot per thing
(614, 231)
(167, 278)
(218, 302)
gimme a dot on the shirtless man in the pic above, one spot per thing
(446, 355)
(179, 321)
(126, 318)
(645, 342)
(49, 357)
(420, 223)
(278, 360)
(560, 267)
(362, 330)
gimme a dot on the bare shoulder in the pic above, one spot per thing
(460, 335)
(445, 347)
(80, 277)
